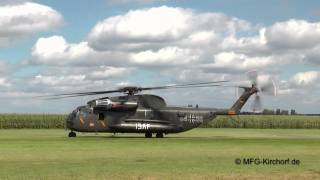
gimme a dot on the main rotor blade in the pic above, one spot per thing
(253, 77)
(257, 104)
(125, 89)
(81, 93)
(180, 87)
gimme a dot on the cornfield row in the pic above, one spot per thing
(57, 121)
(32, 121)
(266, 122)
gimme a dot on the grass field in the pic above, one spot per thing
(197, 154)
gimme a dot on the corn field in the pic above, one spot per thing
(265, 122)
(57, 121)
(32, 121)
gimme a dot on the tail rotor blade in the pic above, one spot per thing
(253, 77)
(257, 104)
(269, 88)
(238, 91)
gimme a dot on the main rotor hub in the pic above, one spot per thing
(130, 90)
(254, 89)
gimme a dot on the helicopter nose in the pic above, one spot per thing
(70, 120)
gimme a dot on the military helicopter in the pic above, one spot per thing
(149, 114)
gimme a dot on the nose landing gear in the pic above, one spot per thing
(72, 134)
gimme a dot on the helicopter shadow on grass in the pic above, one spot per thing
(196, 138)
(166, 137)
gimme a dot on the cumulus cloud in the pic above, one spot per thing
(154, 27)
(166, 56)
(55, 50)
(293, 34)
(179, 45)
(166, 36)
(230, 61)
(17, 20)
(104, 72)
(312, 56)
(301, 83)
(158, 37)
(59, 80)
(302, 79)
(4, 82)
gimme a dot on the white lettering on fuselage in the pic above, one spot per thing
(192, 118)
(142, 126)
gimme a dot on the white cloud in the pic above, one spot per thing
(55, 50)
(166, 36)
(17, 20)
(168, 56)
(59, 80)
(179, 45)
(302, 83)
(305, 78)
(154, 27)
(312, 56)
(253, 45)
(293, 34)
(108, 72)
(230, 61)
(4, 82)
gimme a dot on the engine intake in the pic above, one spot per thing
(102, 105)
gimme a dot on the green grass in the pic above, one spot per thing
(197, 154)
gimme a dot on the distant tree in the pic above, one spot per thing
(278, 112)
(284, 112)
(268, 111)
(293, 112)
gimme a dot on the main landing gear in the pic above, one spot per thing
(149, 135)
(159, 135)
(72, 134)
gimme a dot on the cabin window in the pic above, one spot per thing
(101, 116)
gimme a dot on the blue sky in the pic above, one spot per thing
(65, 44)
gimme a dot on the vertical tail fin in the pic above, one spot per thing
(237, 106)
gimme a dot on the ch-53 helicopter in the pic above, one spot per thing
(149, 114)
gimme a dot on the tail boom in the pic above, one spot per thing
(237, 106)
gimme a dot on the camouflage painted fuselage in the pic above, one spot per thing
(151, 115)
(145, 114)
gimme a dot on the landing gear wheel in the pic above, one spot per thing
(72, 134)
(148, 135)
(159, 135)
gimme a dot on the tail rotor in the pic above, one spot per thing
(265, 86)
